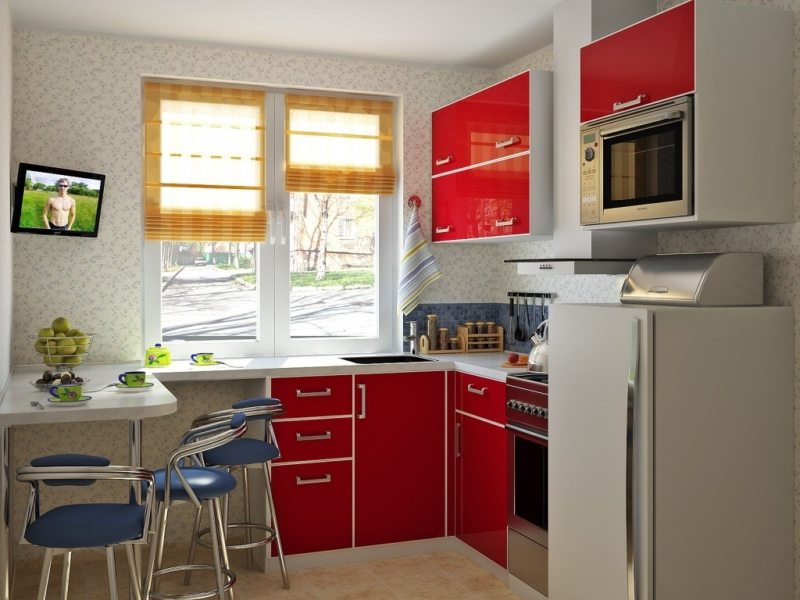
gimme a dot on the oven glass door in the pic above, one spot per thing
(528, 486)
(644, 166)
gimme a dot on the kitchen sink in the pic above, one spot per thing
(387, 358)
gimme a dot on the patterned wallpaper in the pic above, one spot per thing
(5, 161)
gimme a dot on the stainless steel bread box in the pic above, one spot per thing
(702, 279)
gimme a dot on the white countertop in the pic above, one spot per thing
(110, 403)
(106, 405)
(482, 364)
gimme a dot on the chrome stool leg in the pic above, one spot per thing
(248, 534)
(273, 519)
(112, 573)
(45, 576)
(198, 515)
(133, 569)
(65, 568)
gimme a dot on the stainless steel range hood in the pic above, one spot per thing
(577, 251)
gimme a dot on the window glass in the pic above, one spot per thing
(333, 290)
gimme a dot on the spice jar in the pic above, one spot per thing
(432, 331)
(491, 327)
(444, 338)
(454, 343)
(470, 327)
(480, 329)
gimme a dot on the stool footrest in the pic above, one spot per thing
(247, 545)
(230, 579)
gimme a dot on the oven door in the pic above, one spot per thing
(643, 168)
(527, 481)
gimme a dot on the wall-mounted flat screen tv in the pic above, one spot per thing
(56, 201)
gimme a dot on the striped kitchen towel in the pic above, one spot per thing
(418, 266)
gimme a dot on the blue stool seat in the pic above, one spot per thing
(244, 451)
(206, 483)
(87, 526)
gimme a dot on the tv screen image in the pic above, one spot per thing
(57, 201)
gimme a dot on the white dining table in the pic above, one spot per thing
(106, 405)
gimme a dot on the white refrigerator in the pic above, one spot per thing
(671, 453)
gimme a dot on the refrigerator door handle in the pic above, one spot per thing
(630, 470)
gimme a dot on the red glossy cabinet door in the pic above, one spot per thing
(488, 201)
(646, 62)
(313, 502)
(314, 439)
(399, 457)
(481, 486)
(485, 398)
(487, 125)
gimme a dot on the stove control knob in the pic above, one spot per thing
(526, 408)
(537, 411)
(544, 413)
(510, 404)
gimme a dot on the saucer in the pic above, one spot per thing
(83, 400)
(208, 364)
(121, 387)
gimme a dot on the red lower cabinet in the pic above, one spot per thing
(481, 486)
(400, 456)
(313, 503)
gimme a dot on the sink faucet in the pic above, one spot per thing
(411, 338)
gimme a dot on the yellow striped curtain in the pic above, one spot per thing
(204, 167)
(339, 145)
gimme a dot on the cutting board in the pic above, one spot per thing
(522, 362)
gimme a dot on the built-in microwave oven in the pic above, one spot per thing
(638, 165)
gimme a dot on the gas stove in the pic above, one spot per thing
(527, 401)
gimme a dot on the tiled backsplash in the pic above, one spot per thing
(452, 315)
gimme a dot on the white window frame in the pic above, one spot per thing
(273, 272)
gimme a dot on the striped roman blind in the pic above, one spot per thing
(204, 173)
(339, 145)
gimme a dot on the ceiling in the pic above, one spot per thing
(458, 33)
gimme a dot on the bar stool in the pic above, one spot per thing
(186, 480)
(238, 455)
(91, 525)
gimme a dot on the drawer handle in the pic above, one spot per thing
(302, 394)
(474, 390)
(301, 481)
(635, 102)
(443, 161)
(514, 139)
(312, 438)
(506, 223)
(444, 229)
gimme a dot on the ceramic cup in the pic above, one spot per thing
(67, 392)
(203, 358)
(133, 378)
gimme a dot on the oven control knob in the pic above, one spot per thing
(588, 154)
(544, 413)
(510, 404)
(537, 411)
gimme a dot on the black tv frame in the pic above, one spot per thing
(57, 172)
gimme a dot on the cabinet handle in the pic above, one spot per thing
(458, 440)
(443, 161)
(312, 438)
(635, 102)
(514, 139)
(302, 394)
(444, 229)
(301, 481)
(506, 223)
(474, 390)
(363, 413)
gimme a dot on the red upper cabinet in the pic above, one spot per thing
(650, 61)
(487, 125)
(492, 162)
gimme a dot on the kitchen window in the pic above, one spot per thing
(294, 286)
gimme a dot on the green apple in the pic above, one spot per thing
(81, 349)
(61, 325)
(66, 346)
(74, 332)
(46, 332)
(71, 360)
(40, 346)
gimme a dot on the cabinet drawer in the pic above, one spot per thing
(314, 396)
(315, 439)
(488, 201)
(644, 63)
(481, 397)
(313, 504)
